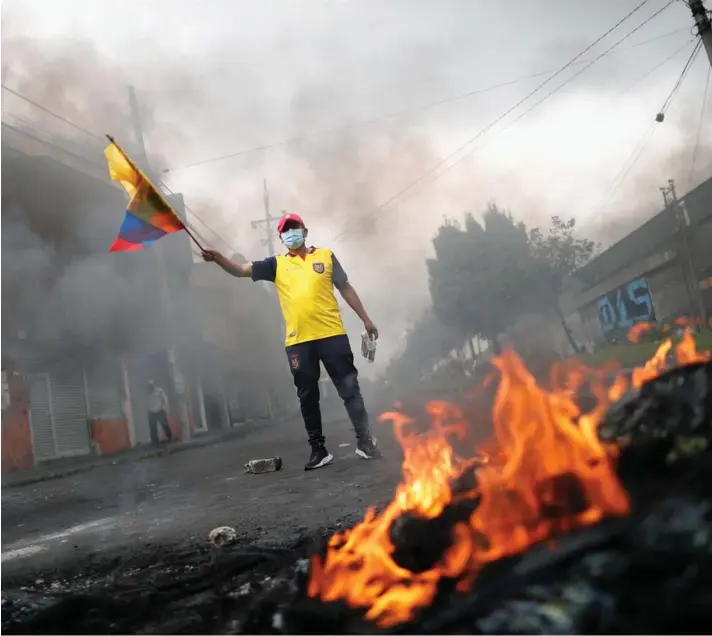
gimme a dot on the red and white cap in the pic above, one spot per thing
(286, 218)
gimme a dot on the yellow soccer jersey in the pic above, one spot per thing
(305, 286)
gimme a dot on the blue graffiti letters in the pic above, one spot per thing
(606, 314)
(624, 306)
(638, 294)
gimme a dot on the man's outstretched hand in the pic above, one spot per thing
(371, 329)
(211, 256)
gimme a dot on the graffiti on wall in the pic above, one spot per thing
(621, 308)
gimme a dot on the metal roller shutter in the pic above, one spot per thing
(69, 409)
(41, 418)
(103, 391)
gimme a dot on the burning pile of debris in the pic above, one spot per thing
(565, 522)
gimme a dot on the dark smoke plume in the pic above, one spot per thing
(315, 73)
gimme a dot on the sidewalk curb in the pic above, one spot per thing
(149, 454)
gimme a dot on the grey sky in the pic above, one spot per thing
(218, 77)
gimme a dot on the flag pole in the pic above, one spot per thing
(160, 194)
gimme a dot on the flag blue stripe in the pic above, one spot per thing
(136, 230)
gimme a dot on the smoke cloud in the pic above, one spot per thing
(66, 298)
(225, 80)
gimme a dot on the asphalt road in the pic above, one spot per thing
(178, 499)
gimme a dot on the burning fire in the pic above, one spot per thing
(546, 472)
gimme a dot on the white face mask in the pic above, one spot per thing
(293, 239)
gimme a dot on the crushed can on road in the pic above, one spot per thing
(259, 466)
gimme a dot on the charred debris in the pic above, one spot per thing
(647, 572)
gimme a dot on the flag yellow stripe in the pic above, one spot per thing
(121, 170)
(137, 185)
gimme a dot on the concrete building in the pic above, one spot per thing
(647, 274)
(242, 321)
(83, 330)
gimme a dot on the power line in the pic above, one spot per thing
(681, 78)
(23, 131)
(207, 227)
(26, 124)
(344, 126)
(90, 162)
(558, 88)
(27, 127)
(637, 152)
(335, 128)
(573, 61)
(614, 99)
(53, 114)
(568, 81)
(522, 101)
(632, 159)
(645, 76)
(52, 139)
(399, 113)
(699, 128)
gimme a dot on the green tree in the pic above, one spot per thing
(557, 255)
(483, 276)
(427, 342)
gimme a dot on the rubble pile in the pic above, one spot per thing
(646, 571)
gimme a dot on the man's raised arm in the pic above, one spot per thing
(241, 270)
(256, 270)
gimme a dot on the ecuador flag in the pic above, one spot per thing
(149, 216)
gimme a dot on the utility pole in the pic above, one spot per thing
(267, 222)
(684, 251)
(704, 25)
(177, 376)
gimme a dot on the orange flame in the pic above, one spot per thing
(636, 331)
(685, 353)
(545, 472)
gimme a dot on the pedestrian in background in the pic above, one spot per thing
(158, 412)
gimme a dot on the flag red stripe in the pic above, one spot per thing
(120, 245)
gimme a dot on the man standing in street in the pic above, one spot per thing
(158, 412)
(305, 278)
